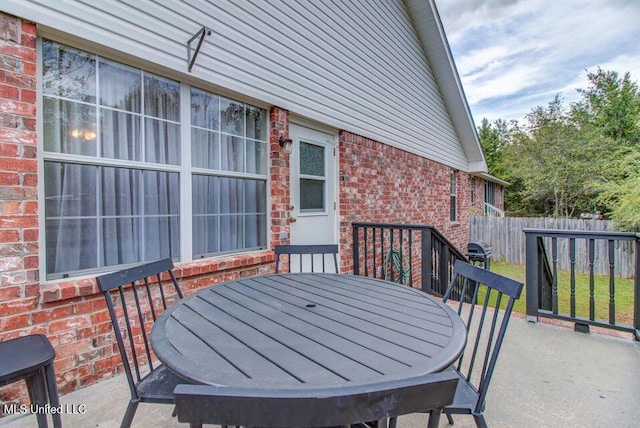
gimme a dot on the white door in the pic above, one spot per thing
(313, 187)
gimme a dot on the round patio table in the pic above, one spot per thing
(307, 330)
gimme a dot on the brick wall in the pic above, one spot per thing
(383, 184)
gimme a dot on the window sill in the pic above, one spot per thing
(69, 289)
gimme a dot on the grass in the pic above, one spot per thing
(623, 293)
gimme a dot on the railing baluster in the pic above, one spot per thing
(411, 258)
(356, 250)
(400, 245)
(592, 302)
(375, 246)
(572, 262)
(366, 251)
(612, 285)
(554, 284)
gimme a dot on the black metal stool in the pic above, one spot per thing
(31, 358)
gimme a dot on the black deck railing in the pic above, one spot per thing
(414, 255)
(544, 290)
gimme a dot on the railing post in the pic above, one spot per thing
(636, 293)
(532, 279)
(356, 251)
(427, 262)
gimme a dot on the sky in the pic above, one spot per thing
(515, 55)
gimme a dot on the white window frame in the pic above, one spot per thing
(184, 170)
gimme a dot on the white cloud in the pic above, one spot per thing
(513, 55)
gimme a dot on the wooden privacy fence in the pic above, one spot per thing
(506, 236)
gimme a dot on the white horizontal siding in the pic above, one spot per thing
(357, 66)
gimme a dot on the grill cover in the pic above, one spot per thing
(478, 250)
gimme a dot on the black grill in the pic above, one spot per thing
(479, 252)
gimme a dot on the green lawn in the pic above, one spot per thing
(623, 293)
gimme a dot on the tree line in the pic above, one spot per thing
(573, 160)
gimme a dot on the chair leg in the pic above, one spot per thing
(52, 391)
(480, 421)
(449, 417)
(37, 394)
(393, 422)
(129, 413)
(434, 418)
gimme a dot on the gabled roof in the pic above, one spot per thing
(426, 19)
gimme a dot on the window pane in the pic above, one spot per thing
(205, 109)
(231, 117)
(205, 149)
(206, 236)
(231, 233)
(120, 135)
(71, 245)
(161, 98)
(162, 142)
(232, 153)
(161, 193)
(311, 195)
(256, 157)
(231, 195)
(311, 159)
(68, 73)
(205, 195)
(256, 123)
(255, 196)
(70, 190)
(121, 241)
(161, 238)
(255, 231)
(69, 127)
(120, 86)
(121, 192)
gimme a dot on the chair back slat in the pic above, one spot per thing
(307, 250)
(486, 324)
(142, 298)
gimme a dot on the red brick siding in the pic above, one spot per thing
(383, 184)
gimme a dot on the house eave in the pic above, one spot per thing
(434, 42)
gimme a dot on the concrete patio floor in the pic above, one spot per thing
(547, 376)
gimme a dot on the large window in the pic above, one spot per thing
(115, 163)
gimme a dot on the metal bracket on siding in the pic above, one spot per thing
(204, 31)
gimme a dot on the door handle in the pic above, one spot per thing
(293, 219)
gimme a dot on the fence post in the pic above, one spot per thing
(427, 261)
(532, 281)
(636, 293)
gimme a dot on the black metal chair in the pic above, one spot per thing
(309, 250)
(31, 358)
(141, 297)
(477, 290)
(340, 406)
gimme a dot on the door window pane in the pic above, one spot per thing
(311, 159)
(311, 195)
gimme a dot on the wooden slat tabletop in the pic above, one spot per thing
(307, 331)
